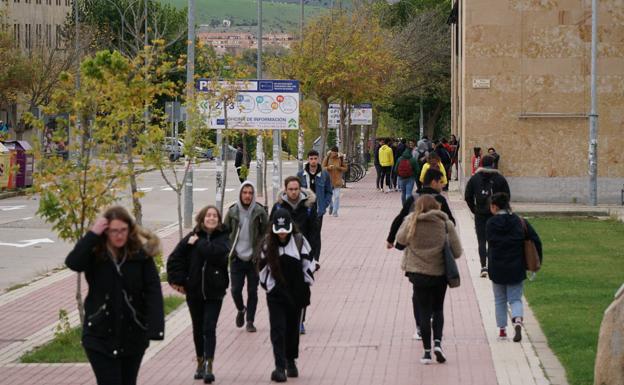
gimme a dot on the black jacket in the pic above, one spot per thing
(202, 268)
(444, 155)
(238, 161)
(481, 186)
(505, 235)
(123, 310)
(408, 208)
(304, 216)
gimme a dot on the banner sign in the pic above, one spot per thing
(361, 114)
(258, 104)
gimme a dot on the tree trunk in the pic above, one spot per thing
(324, 130)
(137, 210)
(432, 119)
(79, 302)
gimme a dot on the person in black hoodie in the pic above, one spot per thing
(379, 180)
(124, 306)
(198, 268)
(286, 273)
(505, 234)
(486, 182)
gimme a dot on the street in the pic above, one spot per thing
(29, 247)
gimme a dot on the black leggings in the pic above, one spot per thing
(379, 182)
(431, 304)
(480, 221)
(114, 371)
(204, 315)
(284, 319)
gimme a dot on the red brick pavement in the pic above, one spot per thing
(359, 325)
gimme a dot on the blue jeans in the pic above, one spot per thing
(335, 202)
(406, 185)
(504, 294)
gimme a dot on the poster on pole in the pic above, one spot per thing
(257, 105)
(361, 114)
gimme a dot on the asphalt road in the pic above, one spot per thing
(29, 247)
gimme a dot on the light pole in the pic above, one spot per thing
(259, 142)
(77, 85)
(190, 84)
(593, 114)
(300, 138)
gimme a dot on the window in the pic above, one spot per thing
(16, 1)
(67, 3)
(37, 1)
(49, 2)
(48, 35)
(58, 2)
(16, 35)
(59, 37)
(27, 36)
(38, 36)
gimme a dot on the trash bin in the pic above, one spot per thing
(4, 167)
(24, 159)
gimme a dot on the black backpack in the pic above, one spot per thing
(483, 194)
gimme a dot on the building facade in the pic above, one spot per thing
(236, 42)
(521, 84)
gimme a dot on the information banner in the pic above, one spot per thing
(258, 104)
(361, 114)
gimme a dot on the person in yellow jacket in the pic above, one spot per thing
(433, 161)
(386, 159)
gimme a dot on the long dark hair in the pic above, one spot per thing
(271, 251)
(136, 234)
(199, 220)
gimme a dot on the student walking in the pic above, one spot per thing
(286, 273)
(247, 221)
(386, 159)
(486, 182)
(378, 169)
(424, 233)
(336, 166)
(124, 305)
(454, 150)
(433, 161)
(197, 267)
(407, 169)
(475, 161)
(316, 179)
(505, 234)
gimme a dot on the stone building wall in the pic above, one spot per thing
(536, 56)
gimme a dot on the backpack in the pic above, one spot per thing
(484, 193)
(405, 170)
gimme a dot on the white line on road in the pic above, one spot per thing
(27, 218)
(200, 189)
(27, 242)
(11, 208)
(146, 189)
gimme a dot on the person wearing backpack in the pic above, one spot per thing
(286, 273)
(506, 233)
(424, 234)
(486, 182)
(407, 168)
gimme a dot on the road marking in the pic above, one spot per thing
(200, 189)
(166, 189)
(27, 242)
(145, 189)
(11, 208)
(27, 218)
(229, 189)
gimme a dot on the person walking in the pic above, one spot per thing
(407, 169)
(286, 273)
(336, 166)
(197, 267)
(300, 204)
(505, 234)
(239, 161)
(379, 181)
(247, 221)
(445, 158)
(454, 150)
(424, 148)
(124, 305)
(475, 161)
(386, 159)
(492, 152)
(396, 152)
(486, 182)
(433, 161)
(424, 234)
(316, 179)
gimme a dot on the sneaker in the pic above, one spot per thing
(517, 332)
(417, 335)
(291, 369)
(440, 357)
(484, 272)
(250, 327)
(302, 329)
(335, 215)
(426, 358)
(240, 318)
(278, 375)
(502, 334)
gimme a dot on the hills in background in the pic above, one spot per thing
(278, 15)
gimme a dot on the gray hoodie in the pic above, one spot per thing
(244, 246)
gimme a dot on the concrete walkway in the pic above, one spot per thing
(359, 325)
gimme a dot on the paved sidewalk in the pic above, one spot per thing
(359, 325)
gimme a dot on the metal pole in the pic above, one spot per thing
(259, 142)
(363, 162)
(219, 166)
(593, 115)
(77, 85)
(421, 120)
(190, 84)
(300, 138)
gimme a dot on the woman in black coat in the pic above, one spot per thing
(505, 235)
(124, 306)
(198, 267)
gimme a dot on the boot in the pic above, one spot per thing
(208, 375)
(199, 372)
(278, 375)
(291, 369)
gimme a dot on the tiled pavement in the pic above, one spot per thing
(359, 324)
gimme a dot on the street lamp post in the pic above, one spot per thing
(259, 142)
(190, 84)
(300, 138)
(593, 114)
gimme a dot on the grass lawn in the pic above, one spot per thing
(66, 347)
(583, 268)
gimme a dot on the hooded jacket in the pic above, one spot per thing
(202, 268)
(505, 236)
(304, 216)
(336, 166)
(124, 306)
(482, 185)
(427, 166)
(424, 252)
(247, 226)
(386, 156)
(407, 154)
(322, 184)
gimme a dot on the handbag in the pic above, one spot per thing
(531, 256)
(452, 271)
